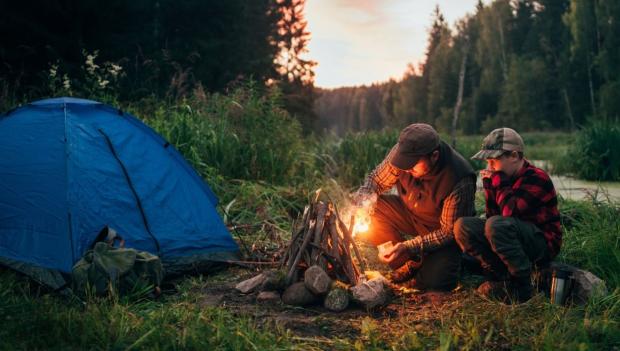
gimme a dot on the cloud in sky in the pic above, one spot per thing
(364, 41)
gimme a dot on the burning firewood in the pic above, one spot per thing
(319, 263)
(322, 239)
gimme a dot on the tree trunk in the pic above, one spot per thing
(501, 43)
(459, 98)
(568, 109)
(591, 85)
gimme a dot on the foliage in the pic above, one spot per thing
(161, 49)
(297, 83)
(359, 153)
(261, 203)
(243, 135)
(164, 47)
(97, 81)
(594, 154)
(28, 321)
(180, 319)
(356, 154)
(533, 65)
(591, 237)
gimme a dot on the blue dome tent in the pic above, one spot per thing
(69, 167)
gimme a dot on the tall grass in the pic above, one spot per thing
(592, 237)
(594, 154)
(32, 322)
(252, 154)
(548, 146)
(359, 153)
(242, 135)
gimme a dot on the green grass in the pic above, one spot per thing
(592, 237)
(548, 146)
(355, 155)
(593, 154)
(241, 135)
(30, 322)
(264, 172)
(33, 319)
(471, 323)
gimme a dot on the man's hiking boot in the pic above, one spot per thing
(412, 284)
(507, 291)
(404, 272)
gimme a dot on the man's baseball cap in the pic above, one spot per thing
(415, 141)
(498, 142)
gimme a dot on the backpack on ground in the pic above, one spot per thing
(108, 269)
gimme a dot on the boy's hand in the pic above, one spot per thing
(486, 174)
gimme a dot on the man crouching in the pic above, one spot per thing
(435, 185)
(522, 228)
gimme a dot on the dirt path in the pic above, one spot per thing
(576, 189)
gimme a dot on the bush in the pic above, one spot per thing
(590, 238)
(595, 155)
(359, 153)
(356, 154)
(468, 146)
(241, 135)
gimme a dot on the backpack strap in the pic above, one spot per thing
(109, 236)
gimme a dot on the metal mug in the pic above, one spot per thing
(560, 286)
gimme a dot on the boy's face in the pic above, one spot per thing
(506, 163)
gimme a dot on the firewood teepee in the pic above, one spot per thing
(321, 238)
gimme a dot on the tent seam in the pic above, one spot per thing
(69, 221)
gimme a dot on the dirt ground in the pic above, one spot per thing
(316, 321)
(421, 310)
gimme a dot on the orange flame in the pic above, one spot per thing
(362, 220)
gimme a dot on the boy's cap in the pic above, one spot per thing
(415, 141)
(499, 141)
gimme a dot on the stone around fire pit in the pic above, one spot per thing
(337, 299)
(371, 293)
(298, 295)
(268, 297)
(317, 280)
(251, 285)
(275, 280)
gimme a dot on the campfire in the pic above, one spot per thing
(361, 218)
(323, 239)
(322, 261)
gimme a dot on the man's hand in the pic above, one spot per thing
(364, 200)
(394, 253)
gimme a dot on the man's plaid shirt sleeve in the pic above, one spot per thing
(383, 177)
(460, 203)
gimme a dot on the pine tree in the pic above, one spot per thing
(581, 19)
(297, 73)
(438, 34)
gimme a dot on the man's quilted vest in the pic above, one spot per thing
(424, 196)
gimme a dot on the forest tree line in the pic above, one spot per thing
(163, 49)
(531, 64)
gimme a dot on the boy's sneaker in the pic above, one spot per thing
(507, 291)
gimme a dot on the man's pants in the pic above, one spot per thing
(502, 245)
(391, 218)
